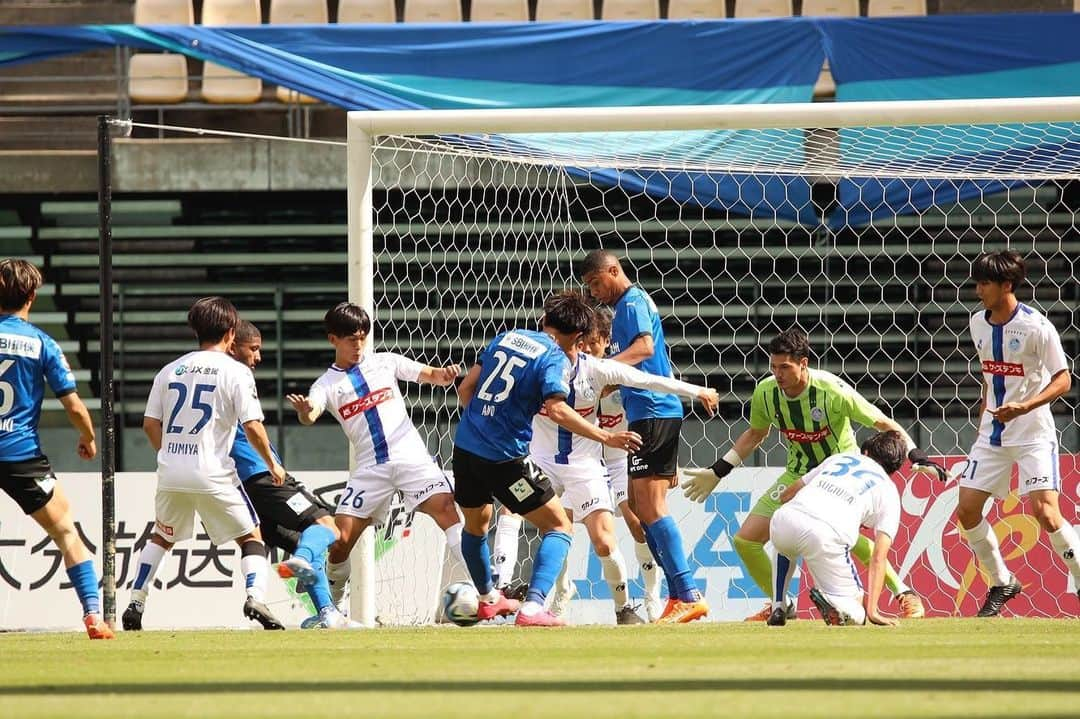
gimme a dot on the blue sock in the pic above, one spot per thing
(320, 592)
(651, 541)
(549, 561)
(314, 541)
(672, 558)
(783, 566)
(477, 557)
(85, 579)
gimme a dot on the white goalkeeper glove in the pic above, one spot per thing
(921, 464)
(703, 480)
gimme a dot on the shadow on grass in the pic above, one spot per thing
(905, 684)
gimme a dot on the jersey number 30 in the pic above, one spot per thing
(196, 403)
(504, 370)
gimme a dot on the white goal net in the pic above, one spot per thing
(856, 225)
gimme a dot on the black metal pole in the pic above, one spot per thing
(279, 333)
(108, 417)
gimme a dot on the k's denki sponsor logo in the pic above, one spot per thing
(368, 401)
(798, 435)
(1003, 369)
(607, 421)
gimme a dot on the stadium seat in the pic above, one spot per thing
(763, 8)
(160, 77)
(222, 84)
(826, 86)
(365, 11)
(895, 8)
(500, 11)
(630, 10)
(433, 11)
(564, 10)
(696, 9)
(297, 12)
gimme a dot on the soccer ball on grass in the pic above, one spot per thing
(460, 602)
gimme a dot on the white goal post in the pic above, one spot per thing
(821, 142)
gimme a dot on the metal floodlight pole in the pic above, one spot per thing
(107, 437)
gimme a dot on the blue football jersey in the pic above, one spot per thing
(636, 315)
(248, 461)
(518, 371)
(28, 359)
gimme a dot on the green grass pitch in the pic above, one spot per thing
(930, 668)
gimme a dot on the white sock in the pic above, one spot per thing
(256, 570)
(1067, 545)
(778, 602)
(531, 608)
(337, 573)
(562, 588)
(150, 556)
(650, 572)
(984, 543)
(615, 574)
(505, 550)
(453, 544)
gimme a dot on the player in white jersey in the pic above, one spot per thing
(820, 520)
(575, 464)
(191, 416)
(1024, 369)
(360, 391)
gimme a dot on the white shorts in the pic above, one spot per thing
(226, 514)
(583, 488)
(826, 556)
(618, 479)
(990, 468)
(369, 490)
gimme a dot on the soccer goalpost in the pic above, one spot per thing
(856, 222)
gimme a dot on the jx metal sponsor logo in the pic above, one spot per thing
(363, 404)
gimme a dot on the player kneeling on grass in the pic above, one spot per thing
(29, 359)
(361, 391)
(191, 416)
(519, 373)
(575, 464)
(819, 520)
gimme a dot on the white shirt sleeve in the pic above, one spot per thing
(317, 396)
(887, 515)
(1051, 352)
(153, 401)
(406, 369)
(607, 372)
(248, 407)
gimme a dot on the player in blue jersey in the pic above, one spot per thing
(519, 373)
(637, 338)
(30, 359)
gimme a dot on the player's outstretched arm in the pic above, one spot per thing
(566, 417)
(441, 376)
(792, 489)
(79, 417)
(616, 373)
(256, 434)
(920, 460)
(701, 481)
(305, 412)
(876, 580)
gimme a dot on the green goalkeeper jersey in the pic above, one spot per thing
(817, 423)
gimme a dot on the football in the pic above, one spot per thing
(460, 602)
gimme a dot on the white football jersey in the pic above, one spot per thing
(1017, 360)
(588, 376)
(612, 417)
(366, 401)
(848, 490)
(199, 399)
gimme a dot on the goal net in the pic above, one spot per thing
(856, 223)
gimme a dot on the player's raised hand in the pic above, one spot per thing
(300, 403)
(1008, 411)
(710, 400)
(921, 464)
(699, 482)
(626, 441)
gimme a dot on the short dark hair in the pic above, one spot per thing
(887, 449)
(601, 322)
(598, 260)
(568, 312)
(19, 280)
(345, 319)
(790, 342)
(212, 318)
(247, 332)
(999, 267)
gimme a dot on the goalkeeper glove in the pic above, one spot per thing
(920, 462)
(702, 481)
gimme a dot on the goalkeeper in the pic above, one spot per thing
(814, 410)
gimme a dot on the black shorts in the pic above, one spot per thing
(517, 483)
(29, 482)
(659, 453)
(284, 511)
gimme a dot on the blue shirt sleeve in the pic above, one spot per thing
(57, 372)
(553, 372)
(637, 318)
